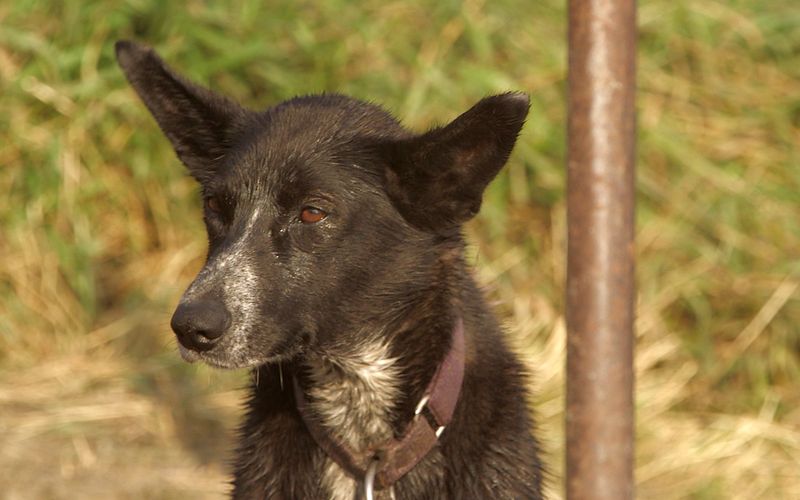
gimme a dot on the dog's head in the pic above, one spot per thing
(322, 211)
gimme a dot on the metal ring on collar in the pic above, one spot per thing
(369, 479)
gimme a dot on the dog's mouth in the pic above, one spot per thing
(187, 354)
(225, 359)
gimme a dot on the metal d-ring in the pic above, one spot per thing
(369, 479)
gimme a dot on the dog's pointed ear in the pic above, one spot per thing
(200, 124)
(437, 179)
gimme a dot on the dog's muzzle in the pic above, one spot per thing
(199, 324)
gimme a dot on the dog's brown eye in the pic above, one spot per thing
(212, 204)
(312, 215)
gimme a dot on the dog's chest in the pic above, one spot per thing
(340, 486)
(354, 397)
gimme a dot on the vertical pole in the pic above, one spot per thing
(600, 249)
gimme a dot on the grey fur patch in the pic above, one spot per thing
(233, 271)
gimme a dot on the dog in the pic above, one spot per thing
(335, 271)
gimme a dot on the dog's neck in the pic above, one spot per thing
(363, 389)
(366, 393)
(355, 395)
(358, 398)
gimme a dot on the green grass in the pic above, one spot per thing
(101, 229)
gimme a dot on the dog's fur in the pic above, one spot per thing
(358, 305)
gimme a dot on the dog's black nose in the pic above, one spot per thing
(199, 324)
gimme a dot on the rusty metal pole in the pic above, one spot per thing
(600, 248)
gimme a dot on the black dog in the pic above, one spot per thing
(335, 270)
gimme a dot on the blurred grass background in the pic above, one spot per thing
(101, 228)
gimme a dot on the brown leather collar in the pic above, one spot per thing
(398, 456)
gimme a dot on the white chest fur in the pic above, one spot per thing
(353, 396)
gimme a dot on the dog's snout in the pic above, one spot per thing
(200, 324)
